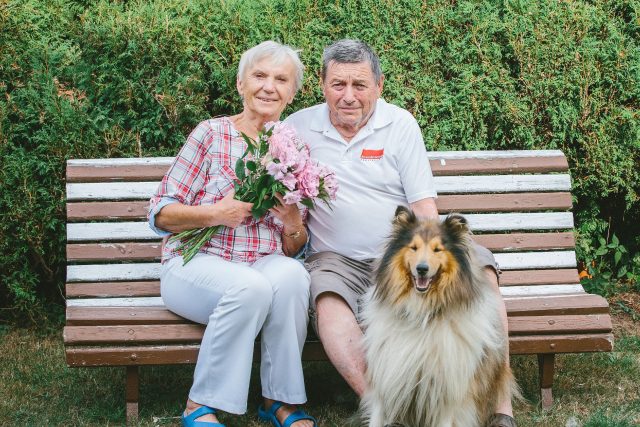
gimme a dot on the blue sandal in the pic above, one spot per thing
(190, 420)
(270, 416)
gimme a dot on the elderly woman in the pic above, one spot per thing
(242, 280)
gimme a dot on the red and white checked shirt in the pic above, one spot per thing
(202, 174)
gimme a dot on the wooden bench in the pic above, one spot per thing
(517, 203)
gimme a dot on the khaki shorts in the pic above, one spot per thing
(350, 279)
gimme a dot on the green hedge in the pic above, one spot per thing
(82, 78)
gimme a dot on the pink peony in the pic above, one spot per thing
(292, 197)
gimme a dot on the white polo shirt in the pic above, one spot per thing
(383, 166)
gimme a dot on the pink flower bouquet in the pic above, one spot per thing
(277, 162)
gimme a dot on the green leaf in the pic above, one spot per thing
(307, 202)
(615, 240)
(240, 169)
(601, 251)
(251, 165)
(616, 258)
(622, 271)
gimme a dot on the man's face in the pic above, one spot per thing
(351, 92)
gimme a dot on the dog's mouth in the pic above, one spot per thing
(422, 283)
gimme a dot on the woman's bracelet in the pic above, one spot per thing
(295, 234)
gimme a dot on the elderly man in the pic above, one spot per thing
(380, 161)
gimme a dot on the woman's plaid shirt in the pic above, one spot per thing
(202, 174)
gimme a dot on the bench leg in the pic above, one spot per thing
(545, 370)
(132, 393)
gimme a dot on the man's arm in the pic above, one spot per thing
(425, 208)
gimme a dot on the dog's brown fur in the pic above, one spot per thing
(435, 344)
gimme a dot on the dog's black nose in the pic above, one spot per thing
(422, 269)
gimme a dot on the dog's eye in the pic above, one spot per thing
(437, 249)
(413, 248)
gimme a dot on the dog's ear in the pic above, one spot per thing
(404, 216)
(456, 225)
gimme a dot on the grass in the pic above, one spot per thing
(36, 387)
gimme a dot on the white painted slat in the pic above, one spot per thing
(444, 185)
(433, 155)
(532, 291)
(495, 154)
(502, 183)
(134, 161)
(111, 191)
(511, 292)
(519, 221)
(534, 260)
(119, 231)
(113, 272)
(116, 302)
(151, 271)
(109, 231)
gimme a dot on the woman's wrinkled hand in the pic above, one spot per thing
(289, 215)
(231, 212)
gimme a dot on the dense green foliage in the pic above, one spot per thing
(83, 78)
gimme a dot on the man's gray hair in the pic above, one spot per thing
(275, 51)
(348, 51)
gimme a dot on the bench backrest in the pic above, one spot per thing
(517, 203)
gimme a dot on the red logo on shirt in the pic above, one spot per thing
(372, 154)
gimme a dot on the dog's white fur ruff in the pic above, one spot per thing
(424, 370)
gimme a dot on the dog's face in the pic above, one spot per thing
(427, 251)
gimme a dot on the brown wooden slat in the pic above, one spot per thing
(77, 316)
(539, 277)
(558, 305)
(506, 202)
(548, 325)
(85, 211)
(133, 334)
(451, 167)
(134, 251)
(161, 355)
(534, 306)
(115, 173)
(560, 344)
(181, 354)
(113, 289)
(526, 241)
(500, 166)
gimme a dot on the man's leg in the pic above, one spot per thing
(341, 337)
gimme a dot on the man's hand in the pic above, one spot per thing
(289, 215)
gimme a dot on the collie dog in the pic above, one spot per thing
(435, 346)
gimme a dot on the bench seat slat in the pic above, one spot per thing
(140, 251)
(192, 333)
(508, 202)
(444, 185)
(188, 354)
(541, 344)
(507, 292)
(532, 306)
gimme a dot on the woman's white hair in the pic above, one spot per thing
(276, 52)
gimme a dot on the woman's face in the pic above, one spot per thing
(267, 88)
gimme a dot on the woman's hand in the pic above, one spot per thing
(231, 212)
